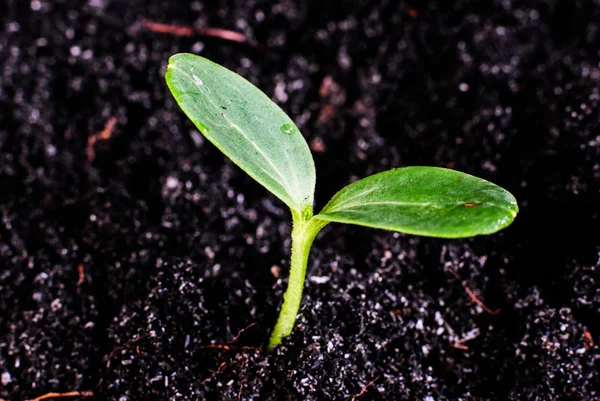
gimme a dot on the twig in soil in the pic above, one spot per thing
(105, 134)
(476, 300)
(472, 294)
(240, 392)
(224, 34)
(237, 336)
(221, 367)
(61, 395)
(171, 29)
(227, 347)
(364, 389)
(183, 30)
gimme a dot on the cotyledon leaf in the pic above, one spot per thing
(249, 128)
(427, 201)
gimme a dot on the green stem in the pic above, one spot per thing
(304, 231)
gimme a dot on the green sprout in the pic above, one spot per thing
(262, 140)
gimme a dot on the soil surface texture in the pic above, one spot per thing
(138, 263)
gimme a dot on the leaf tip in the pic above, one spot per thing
(175, 57)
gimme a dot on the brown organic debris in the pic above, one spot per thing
(80, 273)
(477, 301)
(229, 346)
(103, 135)
(364, 389)
(214, 374)
(184, 30)
(327, 114)
(224, 34)
(129, 343)
(413, 13)
(588, 340)
(171, 29)
(328, 87)
(62, 395)
(240, 391)
(317, 145)
(458, 344)
(237, 336)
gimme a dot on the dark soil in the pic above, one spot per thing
(147, 267)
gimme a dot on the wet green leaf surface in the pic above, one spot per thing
(426, 201)
(246, 126)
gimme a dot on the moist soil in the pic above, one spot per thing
(139, 264)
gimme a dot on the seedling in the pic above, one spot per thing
(262, 140)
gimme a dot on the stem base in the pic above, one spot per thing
(304, 231)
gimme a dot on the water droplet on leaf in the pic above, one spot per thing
(288, 129)
(203, 128)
